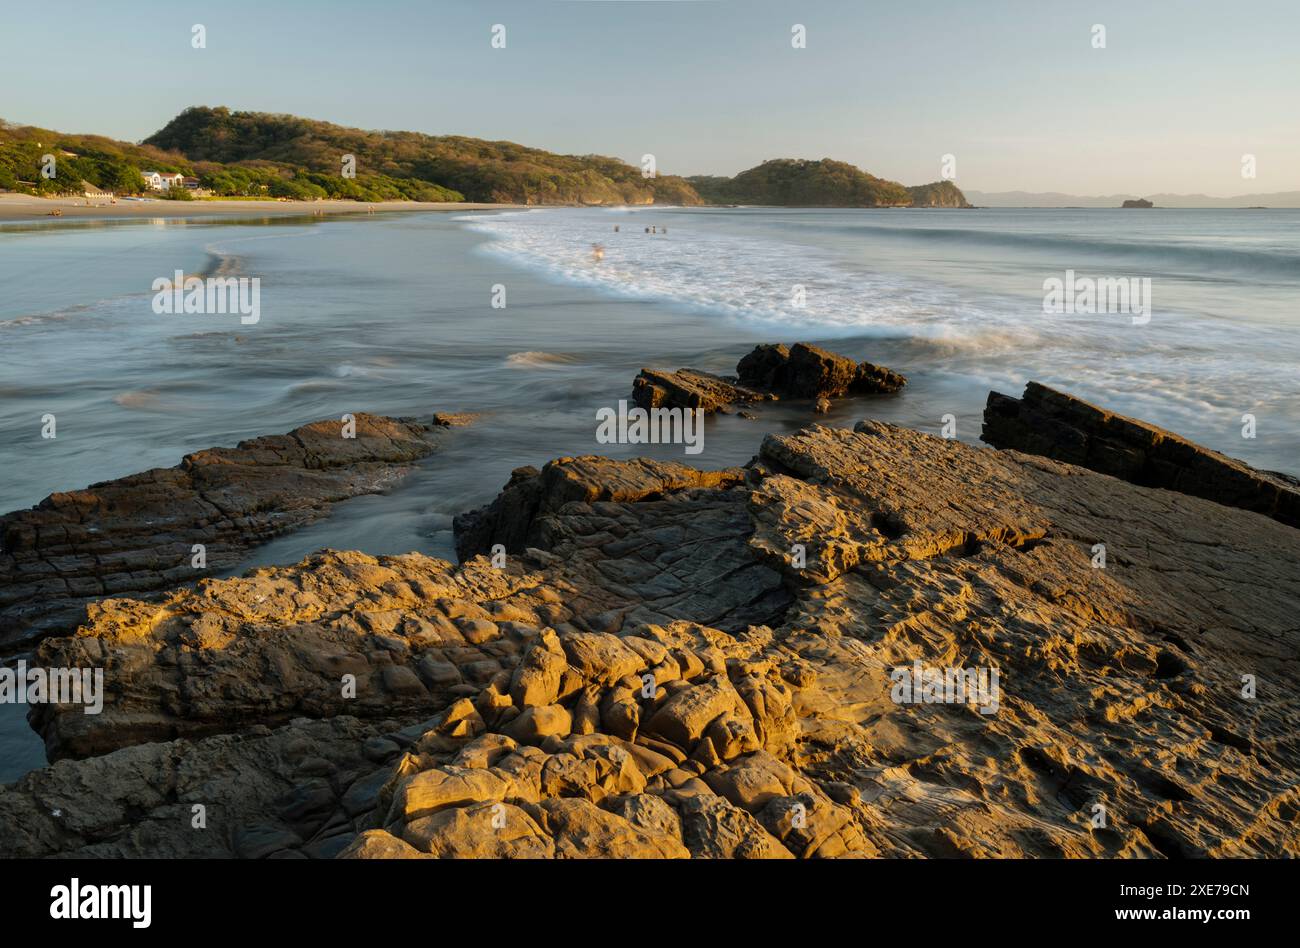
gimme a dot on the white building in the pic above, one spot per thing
(162, 180)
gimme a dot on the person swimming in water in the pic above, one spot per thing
(597, 252)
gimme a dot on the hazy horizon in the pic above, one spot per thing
(1018, 95)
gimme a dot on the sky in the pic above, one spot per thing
(1015, 91)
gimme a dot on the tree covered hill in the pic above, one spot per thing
(938, 194)
(112, 165)
(116, 166)
(796, 182)
(256, 154)
(477, 169)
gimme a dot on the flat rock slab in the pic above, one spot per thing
(137, 533)
(1060, 426)
(688, 388)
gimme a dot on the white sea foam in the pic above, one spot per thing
(965, 291)
(748, 278)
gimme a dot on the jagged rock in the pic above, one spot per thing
(808, 371)
(1064, 428)
(505, 521)
(763, 366)
(257, 793)
(532, 725)
(279, 642)
(480, 831)
(376, 844)
(513, 519)
(137, 533)
(768, 373)
(684, 717)
(584, 831)
(687, 388)
(752, 693)
(714, 829)
(431, 791)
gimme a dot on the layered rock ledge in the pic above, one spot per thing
(770, 372)
(137, 533)
(1060, 426)
(675, 664)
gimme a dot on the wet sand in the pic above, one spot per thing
(25, 206)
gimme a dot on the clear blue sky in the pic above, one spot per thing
(1013, 89)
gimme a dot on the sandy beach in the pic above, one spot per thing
(25, 206)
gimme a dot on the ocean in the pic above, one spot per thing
(394, 314)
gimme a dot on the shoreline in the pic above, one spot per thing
(29, 208)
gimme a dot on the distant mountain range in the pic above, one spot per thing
(1057, 199)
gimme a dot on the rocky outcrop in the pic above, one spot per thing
(791, 182)
(687, 388)
(303, 790)
(517, 517)
(807, 371)
(770, 372)
(708, 665)
(139, 533)
(937, 194)
(342, 633)
(1060, 426)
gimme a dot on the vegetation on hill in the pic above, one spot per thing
(256, 154)
(803, 183)
(794, 182)
(115, 166)
(937, 194)
(479, 170)
(112, 165)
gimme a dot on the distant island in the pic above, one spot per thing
(215, 152)
(1137, 202)
(1272, 199)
